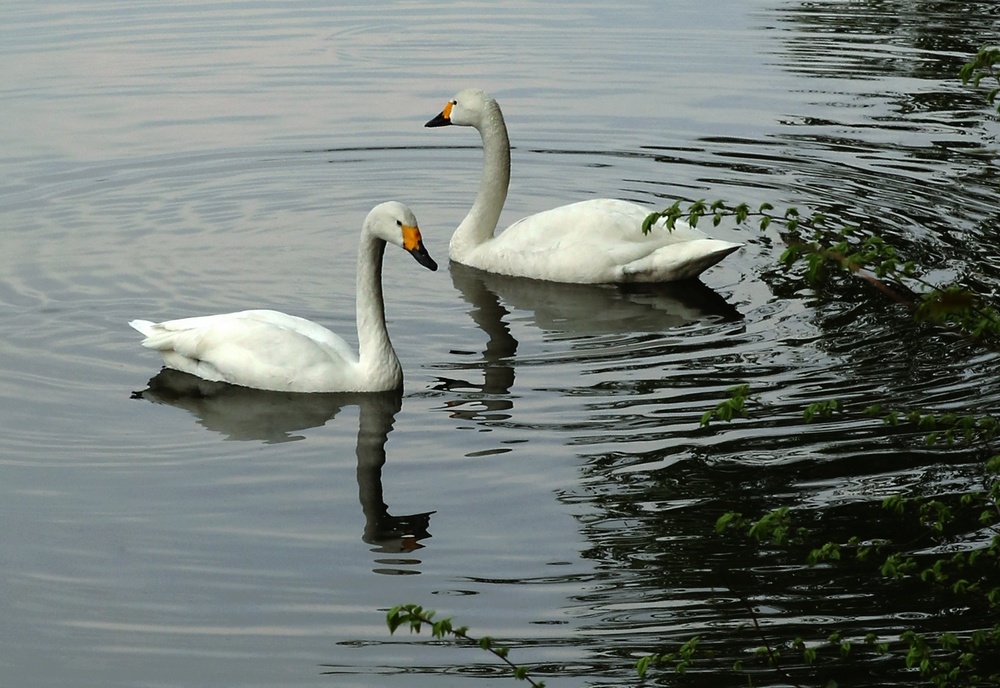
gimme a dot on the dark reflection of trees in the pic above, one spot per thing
(829, 37)
(910, 165)
(245, 414)
(917, 172)
(902, 147)
(664, 575)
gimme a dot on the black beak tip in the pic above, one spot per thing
(424, 258)
(439, 121)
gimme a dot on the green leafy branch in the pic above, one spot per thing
(983, 66)
(849, 248)
(732, 407)
(416, 617)
(718, 210)
(944, 427)
(681, 659)
(774, 527)
(944, 659)
(933, 515)
(824, 251)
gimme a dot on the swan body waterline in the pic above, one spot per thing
(595, 241)
(269, 350)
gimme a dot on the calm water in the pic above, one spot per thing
(543, 478)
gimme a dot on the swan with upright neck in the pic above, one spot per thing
(269, 350)
(595, 241)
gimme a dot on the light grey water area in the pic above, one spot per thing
(543, 478)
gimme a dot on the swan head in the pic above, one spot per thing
(396, 224)
(467, 108)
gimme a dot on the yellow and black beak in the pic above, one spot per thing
(414, 244)
(443, 119)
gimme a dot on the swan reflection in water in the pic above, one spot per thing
(241, 413)
(568, 312)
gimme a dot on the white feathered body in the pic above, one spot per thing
(262, 349)
(595, 242)
(269, 350)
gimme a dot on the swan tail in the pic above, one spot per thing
(144, 327)
(180, 349)
(685, 260)
(182, 341)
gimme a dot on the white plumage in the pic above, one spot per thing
(595, 241)
(265, 349)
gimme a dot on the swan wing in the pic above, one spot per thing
(262, 349)
(599, 241)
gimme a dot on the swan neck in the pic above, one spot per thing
(376, 357)
(481, 222)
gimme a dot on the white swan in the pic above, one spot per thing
(595, 241)
(269, 350)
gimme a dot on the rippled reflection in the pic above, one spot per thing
(197, 157)
(586, 309)
(241, 413)
(574, 314)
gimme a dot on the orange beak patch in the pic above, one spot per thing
(446, 113)
(411, 238)
(413, 243)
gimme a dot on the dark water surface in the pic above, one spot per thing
(544, 477)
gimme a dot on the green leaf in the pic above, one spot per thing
(642, 665)
(723, 521)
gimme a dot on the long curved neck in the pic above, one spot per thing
(376, 356)
(479, 225)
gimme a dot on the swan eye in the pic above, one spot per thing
(399, 223)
